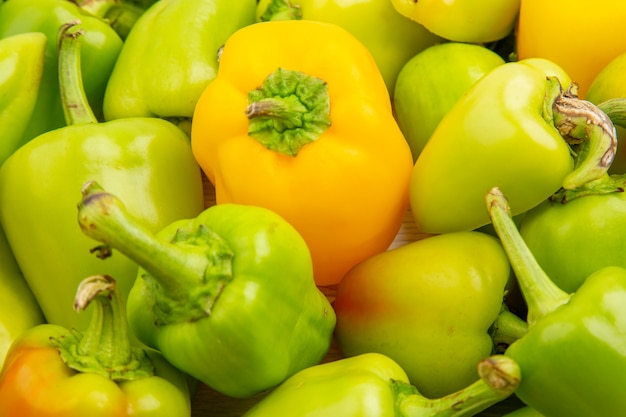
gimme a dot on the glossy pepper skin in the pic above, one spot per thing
(51, 371)
(19, 310)
(170, 55)
(538, 37)
(572, 358)
(472, 21)
(525, 412)
(395, 40)
(21, 68)
(431, 82)
(228, 296)
(100, 49)
(373, 385)
(428, 305)
(315, 157)
(513, 129)
(147, 161)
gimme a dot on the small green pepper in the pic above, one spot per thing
(147, 161)
(572, 357)
(57, 372)
(395, 40)
(101, 46)
(516, 128)
(21, 68)
(170, 56)
(227, 296)
(20, 310)
(373, 385)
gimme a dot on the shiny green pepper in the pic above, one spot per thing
(392, 43)
(169, 57)
(20, 310)
(147, 161)
(21, 68)
(572, 358)
(228, 296)
(428, 305)
(373, 385)
(100, 49)
(516, 129)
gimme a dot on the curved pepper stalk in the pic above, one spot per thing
(228, 296)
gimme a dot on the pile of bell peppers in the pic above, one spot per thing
(212, 197)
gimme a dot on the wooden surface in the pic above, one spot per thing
(208, 403)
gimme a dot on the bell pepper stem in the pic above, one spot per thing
(606, 184)
(542, 296)
(499, 378)
(104, 347)
(75, 103)
(185, 279)
(281, 10)
(585, 126)
(121, 15)
(507, 328)
(615, 109)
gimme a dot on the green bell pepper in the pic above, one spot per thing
(20, 310)
(524, 412)
(147, 161)
(394, 41)
(435, 329)
(516, 128)
(21, 68)
(189, 33)
(373, 385)
(57, 372)
(101, 46)
(228, 296)
(431, 82)
(572, 358)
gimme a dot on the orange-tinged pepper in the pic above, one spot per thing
(298, 120)
(579, 36)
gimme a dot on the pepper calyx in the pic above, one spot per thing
(608, 184)
(281, 10)
(104, 348)
(288, 111)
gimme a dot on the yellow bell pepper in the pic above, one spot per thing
(299, 120)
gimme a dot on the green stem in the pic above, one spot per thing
(499, 378)
(184, 276)
(606, 184)
(104, 348)
(119, 14)
(507, 328)
(542, 296)
(586, 127)
(615, 109)
(75, 104)
(281, 10)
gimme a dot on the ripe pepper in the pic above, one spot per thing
(596, 46)
(51, 371)
(474, 21)
(147, 161)
(431, 82)
(227, 296)
(373, 385)
(572, 357)
(299, 120)
(516, 128)
(21, 68)
(101, 46)
(20, 310)
(395, 40)
(428, 305)
(189, 33)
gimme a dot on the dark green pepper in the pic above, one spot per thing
(373, 385)
(100, 49)
(170, 56)
(572, 358)
(147, 161)
(227, 296)
(21, 68)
